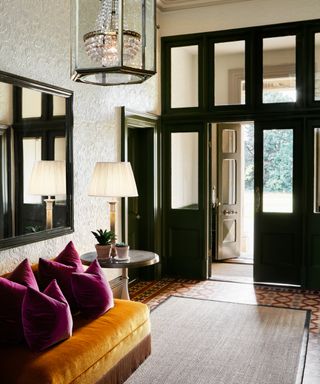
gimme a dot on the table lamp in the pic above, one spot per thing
(113, 179)
(48, 178)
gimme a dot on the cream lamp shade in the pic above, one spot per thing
(48, 178)
(113, 179)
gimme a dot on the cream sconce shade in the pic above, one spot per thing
(48, 178)
(113, 179)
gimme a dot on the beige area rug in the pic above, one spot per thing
(203, 341)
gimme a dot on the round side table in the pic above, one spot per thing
(137, 259)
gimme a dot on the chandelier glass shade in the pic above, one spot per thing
(114, 41)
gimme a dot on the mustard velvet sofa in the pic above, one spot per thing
(105, 350)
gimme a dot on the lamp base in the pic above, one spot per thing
(49, 212)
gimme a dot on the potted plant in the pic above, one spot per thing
(105, 239)
(122, 250)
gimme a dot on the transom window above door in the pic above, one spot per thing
(242, 69)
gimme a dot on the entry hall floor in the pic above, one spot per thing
(154, 292)
(234, 272)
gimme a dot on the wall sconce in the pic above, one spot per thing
(114, 41)
(48, 178)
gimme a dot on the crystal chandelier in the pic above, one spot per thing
(120, 47)
(102, 44)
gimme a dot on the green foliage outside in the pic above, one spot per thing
(277, 159)
(278, 151)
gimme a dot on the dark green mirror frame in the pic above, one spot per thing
(36, 122)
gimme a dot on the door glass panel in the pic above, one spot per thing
(277, 170)
(31, 154)
(184, 77)
(229, 181)
(184, 170)
(279, 69)
(316, 168)
(31, 103)
(317, 66)
(229, 74)
(229, 141)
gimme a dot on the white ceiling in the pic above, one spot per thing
(173, 5)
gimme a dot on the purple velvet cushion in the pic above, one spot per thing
(70, 256)
(11, 297)
(92, 291)
(24, 275)
(50, 270)
(46, 317)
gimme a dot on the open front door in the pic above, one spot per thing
(278, 218)
(186, 200)
(229, 190)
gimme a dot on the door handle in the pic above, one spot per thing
(257, 199)
(228, 212)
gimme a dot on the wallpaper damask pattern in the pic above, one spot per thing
(35, 43)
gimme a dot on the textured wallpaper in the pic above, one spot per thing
(35, 43)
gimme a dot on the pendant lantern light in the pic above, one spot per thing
(114, 41)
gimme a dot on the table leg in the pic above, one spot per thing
(125, 289)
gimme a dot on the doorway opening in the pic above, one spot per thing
(233, 201)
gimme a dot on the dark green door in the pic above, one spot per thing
(313, 206)
(278, 202)
(186, 201)
(141, 208)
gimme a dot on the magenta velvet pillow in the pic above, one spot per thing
(70, 256)
(12, 291)
(46, 317)
(11, 297)
(50, 270)
(92, 291)
(24, 275)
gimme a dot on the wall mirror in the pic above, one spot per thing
(35, 161)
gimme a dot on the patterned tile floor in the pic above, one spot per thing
(154, 292)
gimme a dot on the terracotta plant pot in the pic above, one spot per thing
(122, 252)
(103, 251)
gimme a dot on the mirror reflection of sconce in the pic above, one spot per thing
(48, 178)
(35, 124)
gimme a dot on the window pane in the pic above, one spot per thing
(229, 76)
(317, 66)
(150, 37)
(31, 154)
(277, 170)
(229, 178)
(132, 9)
(3, 181)
(59, 106)
(184, 77)
(184, 170)
(279, 69)
(6, 104)
(316, 170)
(60, 154)
(31, 103)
